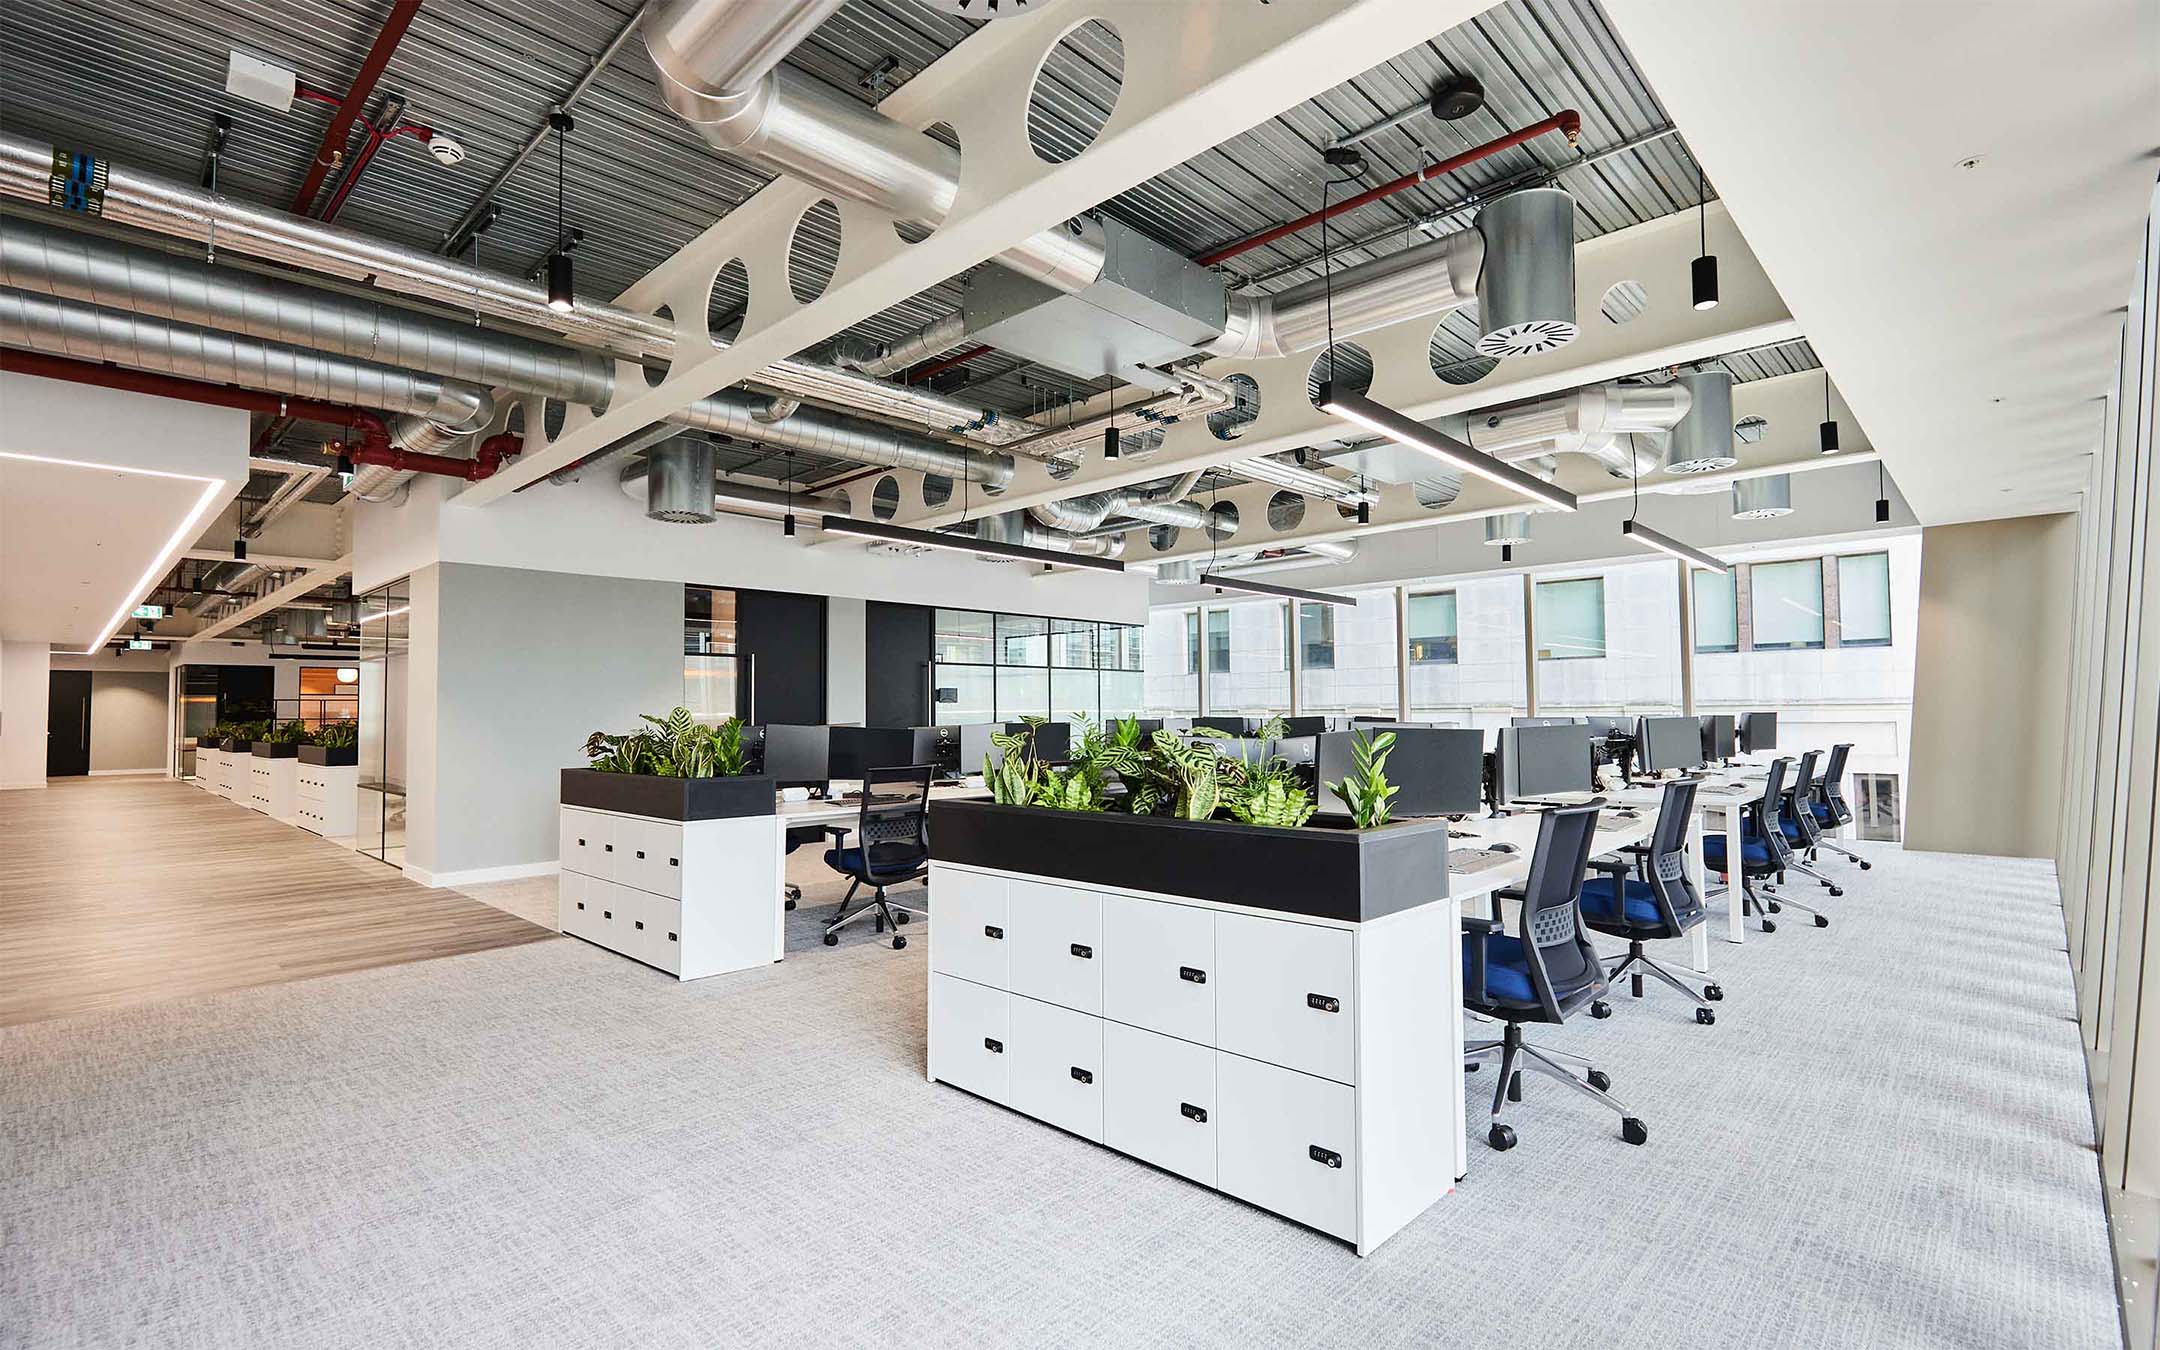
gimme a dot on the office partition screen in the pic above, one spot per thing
(1002, 667)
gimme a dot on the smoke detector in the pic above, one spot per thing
(447, 151)
(1454, 100)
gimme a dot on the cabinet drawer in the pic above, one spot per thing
(1054, 944)
(969, 1028)
(1284, 994)
(649, 922)
(648, 855)
(1056, 1066)
(969, 938)
(1159, 1100)
(605, 913)
(1287, 1142)
(1159, 967)
(584, 842)
(572, 904)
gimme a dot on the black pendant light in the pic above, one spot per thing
(1110, 443)
(344, 469)
(1705, 268)
(787, 523)
(1882, 497)
(561, 292)
(1829, 423)
(239, 550)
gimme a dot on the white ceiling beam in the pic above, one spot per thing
(315, 578)
(259, 559)
(1196, 74)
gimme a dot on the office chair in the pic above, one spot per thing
(1763, 851)
(1796, 821)
(1660, 902)
(1546, 971)
(894, 828)
(1831, 812)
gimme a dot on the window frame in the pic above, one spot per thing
(1453, 639)
(1889, 609)
(1822, 620)
(1538, 591)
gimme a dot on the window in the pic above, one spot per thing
(1571, 619)
(1192, 643)
(1218, 641)
(1316, 623)
(1787, 605)
(999, 667)
(1023, 640)
(1432, 629)
(1717, 618)
(962, 635)
(1864, 600)
(1360, 676)
(1072, 644)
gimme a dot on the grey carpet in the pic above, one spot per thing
(1884, 1142)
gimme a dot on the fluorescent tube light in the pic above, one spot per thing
(1665, 543)
(1229, 583)
(960, 543)
(1396, 427)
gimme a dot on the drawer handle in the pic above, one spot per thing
(641, 853)
(1197, 1114)
(671, 937)
(1191, 976)
(1081, 1075)
(607, 913)
(1323, 1003)
(640, 925)
(581, 843)
(674, 862)
(1083, 951)
(581, 904)
(991, 930)
(610, 847)
(1325, 1157)
(993, 1045)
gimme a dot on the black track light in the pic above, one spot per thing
(562, 288)
(1364, 513)
(1704, 271)
(561, 292)
(787, 522)
(1110, 443)
(787, 525)
(1507, 553)
(1829, 423)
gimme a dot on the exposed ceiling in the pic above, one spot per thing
(1969, 315)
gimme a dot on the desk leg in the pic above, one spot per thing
(779, 888)
(1698, 877)
(1735, 895)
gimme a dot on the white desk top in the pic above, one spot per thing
(795, 814)
(1521, 830)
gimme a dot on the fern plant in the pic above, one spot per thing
(1285, 806)
(337, 735)
(1070, 790)
(294, 732)
(1366, 790)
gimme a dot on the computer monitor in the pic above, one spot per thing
(1304, 726)
(1610, 726)
(1302, 752)
(935, 745)
(1534, 761)
(1758, 732)
(1669, 743)
(1439, 770)
(1718, 736)
(798, 756)
(975, 746)
(1229, 726)
(1548, 721)
(1053, 740)
(1250, 749)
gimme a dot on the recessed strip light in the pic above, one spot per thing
(1227, 583)
(1665, 543)
(960, 543)
(1400, 429)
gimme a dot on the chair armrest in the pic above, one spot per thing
(1475, 931)
(1616, 870)
(839, 834)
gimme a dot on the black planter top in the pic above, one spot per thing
(643, 794)
(273, 750)
(342, 756)
(1316, 871)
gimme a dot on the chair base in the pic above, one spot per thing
(1516, 1056)
(1638, 963)
(877, 907)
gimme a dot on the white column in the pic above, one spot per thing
(25, 693)
(1529, 644)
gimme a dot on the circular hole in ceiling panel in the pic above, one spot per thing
(1075, 91)
(814, 251)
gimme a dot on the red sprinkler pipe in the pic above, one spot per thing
(1566, 121)
(943, 364)
(332, 146)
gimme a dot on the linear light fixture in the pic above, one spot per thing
(1665, 543)
(1357, 408)
(960, 543)
(1227, 583)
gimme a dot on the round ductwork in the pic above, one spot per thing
(1512, 527)
(1703, 440)
(679, 483)
(1526, 292)
(1762, 498)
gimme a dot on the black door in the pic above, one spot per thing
(67, 725)
(896, 641)
(784, 636)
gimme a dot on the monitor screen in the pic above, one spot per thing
(1232, 726)
(857, 749)
(1669, 743)
(1440, 771)
(975, 746)
(1053, 740)
(1548, 721)
(1717, 736)
(1611, 726)
(1538, 760)
(935, 745)
(798, 756)
(1758, 732)
(1304, 726)
(1302, 752)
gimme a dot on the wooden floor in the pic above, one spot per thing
(119, 891)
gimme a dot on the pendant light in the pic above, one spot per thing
(1829, 423)
(1637, 532)
(239, 550)
(561, 292)
(787, 522)
(1110, 443)
(344, 470)
(1882, 497)
(1705, 268)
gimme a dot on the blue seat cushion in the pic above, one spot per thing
(1753, 851)
(1637, 906)
(1507, 970)
(886, 860)
(1790, 829)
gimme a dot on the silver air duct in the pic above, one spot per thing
(1526, 291)
(1511, 527)
(1703, 440)
(743, 415)
(1078, 515)
(679, 481)
(1762, 498)
(1432, 278)
(890, 358)
(745, 498)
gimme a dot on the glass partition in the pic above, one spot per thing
(1002, 667)
(385, 642)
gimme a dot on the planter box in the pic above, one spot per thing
(1318, 870)
(638, 794)
(272, 750)
(233, 745)
(346, 757)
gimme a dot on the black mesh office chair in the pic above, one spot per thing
(894, 846)
(1761, 848)
(1830, 809)
(1655, 903)
(1546, 971)
(1796, 821)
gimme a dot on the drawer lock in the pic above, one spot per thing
(610, 847)
(1083, 951)
(1325, 1157)
(1192, 976)
(1323, 1002)
(607, 913)
(1197, 1114)
(993, 1045)
(641, 853)
(1081, 1075)
(991, 930)
(641, 925)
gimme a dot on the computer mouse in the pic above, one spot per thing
(1502, 848)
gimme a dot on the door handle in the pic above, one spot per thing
(1191, 975)
(1197, 1114)
(1083, 951)
(1327, 1003)
(1325, 1157)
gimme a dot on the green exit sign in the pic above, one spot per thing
(149, 611)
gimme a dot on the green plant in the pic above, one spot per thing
(729, 757)
(1068, 790)
(294, 732)
(1013, 770)
(1192, 773)
(252, 731)
(615, 754)
(337, 735)
(1274, 802)
(1367, 789)
(677, 746)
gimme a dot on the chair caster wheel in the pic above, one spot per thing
(832, 939)
(1867, 867)
(1837, 890)
(1601, 1009)
(899, 942)
(1714, 992)
(901, 916)
(1600, 1080)
(1705, 1016)
(1776, 908)
(1501, 1138)
(787, 904)
(1822, 921)
(1768, 926)
(1472, 1067)
(1634, 1131)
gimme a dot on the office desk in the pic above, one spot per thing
(838, 812)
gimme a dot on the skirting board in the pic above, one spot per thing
(475, 875)
(109, 773)
(22, 786)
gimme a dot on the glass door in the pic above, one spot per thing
(383, 702)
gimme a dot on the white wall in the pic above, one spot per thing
(128, 726)
(847, 691)
(25, 695)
